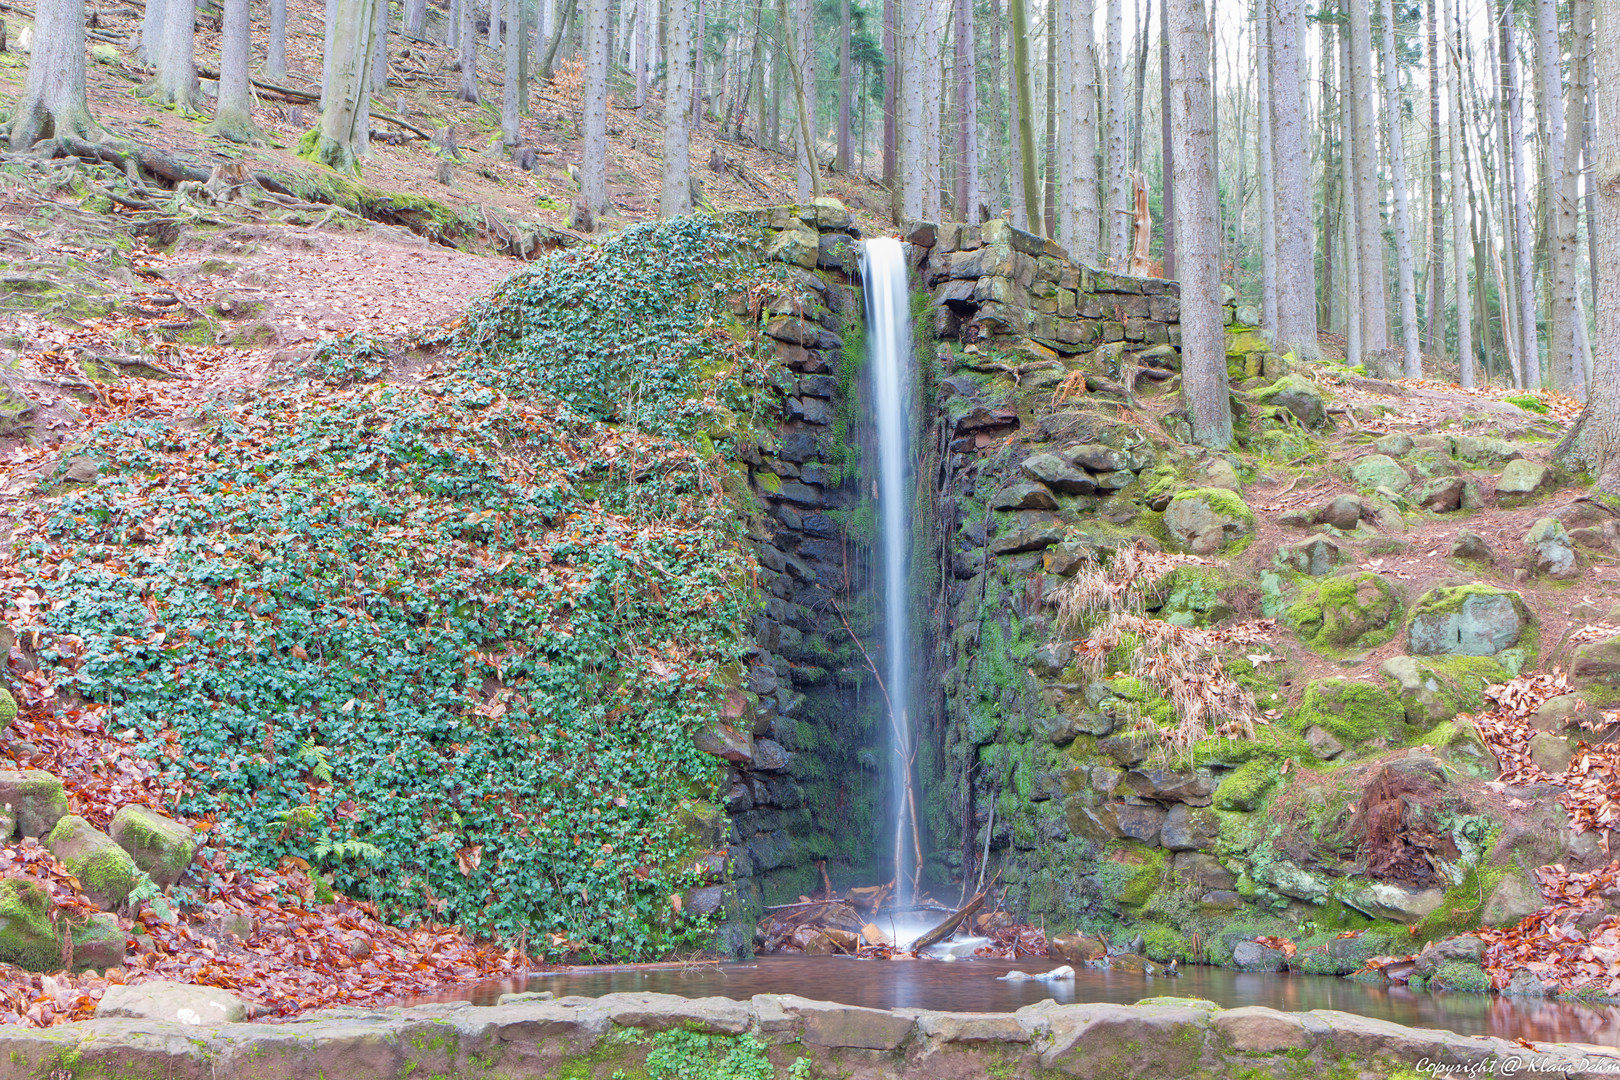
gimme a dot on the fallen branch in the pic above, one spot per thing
(952, 921)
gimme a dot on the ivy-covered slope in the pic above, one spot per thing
(448, 643)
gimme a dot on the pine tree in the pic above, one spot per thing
(676, 197)
(233, 112)
(53, 102)
(1296, 255)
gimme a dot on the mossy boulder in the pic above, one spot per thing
(1432, 691)
(1205, 520)
(1316, 556)
(1299, 396)
(1522, 482)
(1459, 743)
(8, 707)
(99, 943)
(1354, 712)
(105, 871)
(1357, 611)
(1460, 976)
(27, 937)
(158, 845)
(1246, 786)
(1466, 620)
(1379, 471)
(36, 798)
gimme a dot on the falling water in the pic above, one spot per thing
(888, 336)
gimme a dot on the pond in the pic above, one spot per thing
(973, 986)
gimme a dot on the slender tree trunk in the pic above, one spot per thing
(1374, 320)
(1083, 88)
(1203, 336)
(233, 110)
(934, 140)
(1144, 19)
(1435, 278)
(967, 96)
(642, 17)
(469, 53)
(1593, 443)
(1355, 347)
(275, 48)
(342, 137)
(452, 26)
(151, 45)
(891, 118)
(1296, 256)
(1025, 118)
(676, 198)
(846, 86)
(1119, 182)
(379, 45)
(1459, 220)
(53, 102)
(1529, 352)
(1508, 272)
(415, 16)
(1564, 363)
(1268, 195)
(511, 134)
(1411, 352)
(1585, 80)
(593, 124)
(1166, 149)
(1050, 197)
(494, 24)
(996, 134)
(1061, 14)
(810, 168)
(176, 68)
(699, 85)
(548, 63)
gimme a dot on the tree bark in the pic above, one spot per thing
(1411, 352)
(53, 102)
(233, 110)
(511, 134)
(891, 89)
(676, 196)
(151, 44)
(1049, 194)
(176, 83)
(1355, 347)
(1593, 443)
(327, 52)
(967, 96)
(1459, 222)
(1529, 373)
(415, 16)
(468, 90)
(1268, 194)
(1083, 166)
(996, 134)
(1025, 118)
(275, 48)
(1296, 255)
(1203, 336)
(1369, 226)
(1119, 183)
(342, 137)
(1564, 362)
(846, 86)
(593, 122)
(379, 46)
(1434, 278)
(1166, 150)
(1144, 19)
(802, 58)
(548, 63)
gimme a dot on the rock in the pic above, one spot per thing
(1379, 471)
(1140, 822)
(1076, 948)
(1466, 620)
(1514, 898)
(1353, 711)
(1388, 900)
(99, 943)
(1203, 869)
(769, 756)
(1032, 537)
(1322, 742)
(1025, 496)
(1521, 482)
(182, 1003)
(1299, 396)
(725, 741)
(1551, 753)
(36, 797)
(799, 246)
(1059, 475)
(1395, 445)
(1343, 513)
(105, 871)
(1253, 956)
(1254, 1029)
(27, 936)
(1486, 450)
(1471, 545)
(1355, 611)
(1549, 546)
(160, 846)
(1525, 984)
(1315, 555)
(1426, 697)
(1050, 659)
(1099, 458)
(1166, 785)
(1219, 900)
(1189, 829)
(1441, 494)
(1061, 729)
(1467, 948)
(1557, 714)
(1205, 520)
(830, 1025)
(1220, 474)
(1596, 661)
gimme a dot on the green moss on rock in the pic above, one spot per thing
(1246, 787)
(1355, 611)
(1355, 712)
(27, 938)
(160, 846)
(105, 871)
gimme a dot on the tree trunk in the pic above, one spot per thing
(1435, 278)
(494, 24)
(548, 63)
(379, 46)
(1593, 443)
(1411, 353)
(1061, 15)
(1203, 336)
(891, 117)
(1166, 150)
(415, 16)
(469, 53)
(511, 134)
(996, 134)
(676, 197)
(1564, 363)
(275, 48)
(1083, 79)
(1459, 222)
(1369, 226)
(452, 25)
(593, 122)
(1268, 194)
(846, 87)
(1143, 20)
(640, 52)
(342, 137)
(1026, 114)
(1296, 255)
(967, 96)
(1049, 193)
(802, 58)
(1584, 79)
(700, 36)
(1119, 183)
(233, 110)
(1529, 373)
(1355, 347)
(151, 44)
(53, 102)
(176, 68)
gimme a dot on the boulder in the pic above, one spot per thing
(1470, 545)
(99, 943)
(1397, 444)
(1253, 956)
(1486, 450)
(1140, 822)
(1299, 396)
(1354, 712)
(1354, 611)
(1389, 900)
(1050, 659)
(1596, 661)
(1428, 697)
(1514, 898)
(1205, 520)
(1557, 714)
(1468, 949)
(105, 871)
(1219, 473)
(1076, 948)
(1466, 620)
(1059, 475)
(1379, 471)
(1187, 828)
(27, 936)
(36, 798)
(180, 1003)
(1322, 742)
(1521, 482)
(1203, 869)
(1343, 513)
(1168, 785)
(1315, 555)
(1551, 753)
(1441, 494)
(1548, 544)
(1024, 496)
(159, 845)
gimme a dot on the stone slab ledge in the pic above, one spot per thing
(576, 1037)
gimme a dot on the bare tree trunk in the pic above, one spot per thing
(1296, 256)
(53, 102)
(494, 24)
(698, 86)
(469, 53)
(1166, 150)
(452, 25)
(593, 123)
(1459, 219)
(342, 137)
(1119, 183)
(1025, 119)
(1593, 443)
(967, 96)
(1564, 363)
(151, 45)
(379, 46)
(415, 16)
(1410, 351)
(176, 68)
(1203, 337)
(1434, 279)
(846, 86)
(233, 110)
(676, 198)
(1268, 195)
(891, 117)
(802, 58)
(1083, 79)
(1049, 193)
(1374, 320)
(511, 134)
(1585, 80)
(1529, 353)
(1144, 19)
(1355, 347)
(996, 134)
(934, 140)
(1061, 15)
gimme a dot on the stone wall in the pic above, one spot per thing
(598, 1038)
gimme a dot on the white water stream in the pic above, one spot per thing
(888, 346)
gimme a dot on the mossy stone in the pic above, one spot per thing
(1245, 789)
(105, 871)
(8, 707)
(1466, 620)
(159, 845)
(1355, 712)
(1205, 520)
(27, 937)
(36, 797)
(1353, 611)
(99, 943)
(1433, 690)
(1299, 396)
(1379, 471)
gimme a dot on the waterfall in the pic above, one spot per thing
(888, 339)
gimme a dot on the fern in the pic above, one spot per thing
(328, 850)
(318, 759)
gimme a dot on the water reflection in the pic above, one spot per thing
(973, 987)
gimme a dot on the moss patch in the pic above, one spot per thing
(1247, 786)
(1356, 611)
(1355, 712)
